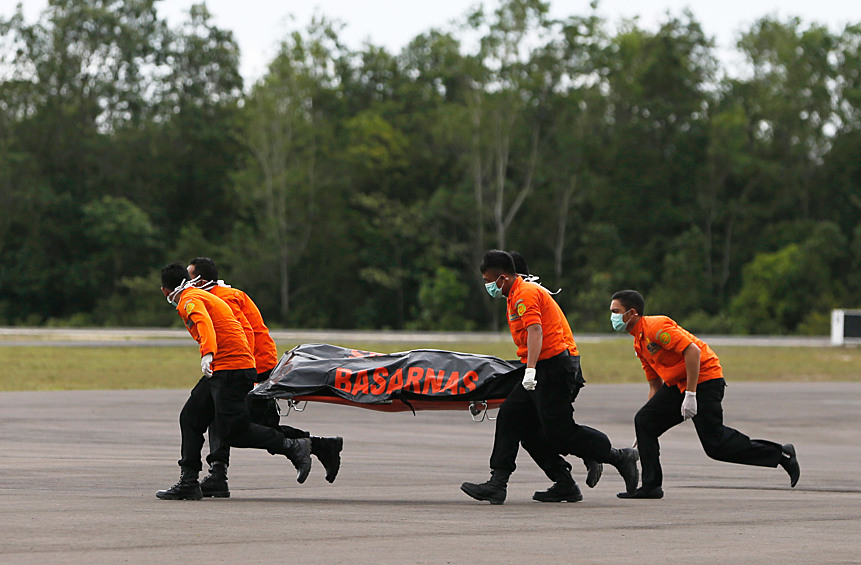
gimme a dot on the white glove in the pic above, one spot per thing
(689, 405)
(529, 379)
(206, 365)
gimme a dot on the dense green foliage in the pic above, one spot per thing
(359, 189)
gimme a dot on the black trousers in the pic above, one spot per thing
(220, 400)
(543, 421)
(663, 411)
(263, 411)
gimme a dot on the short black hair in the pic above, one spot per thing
(496, 259)
(631, 299)
(204, 267)
(173, 275)
(520, 265)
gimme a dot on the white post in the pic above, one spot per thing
(837, 317)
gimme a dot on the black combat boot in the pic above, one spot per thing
(593, 472)
(186, 489)
(789, 461)
(328, 451)
(643, 492)
(625, 461)
(492, 491)
(215, 483)
(564, 488)
(298, 451)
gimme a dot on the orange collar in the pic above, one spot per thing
(638, 328)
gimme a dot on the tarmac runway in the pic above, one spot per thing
(172, 337)
(79, 471)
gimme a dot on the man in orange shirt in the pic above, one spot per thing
(593, 468)
(685, 382)
(540, 412)
(228, 372)
(263, 411)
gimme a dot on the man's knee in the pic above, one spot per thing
(189, 418)
(557, 439)
(715, 452)
(509, 416)
(651, 421)
(263, 411)
(714, 448)
(270, 416)
(642, 420)
(234, 427)
(562, 434)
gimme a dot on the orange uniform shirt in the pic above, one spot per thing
(530, 303)
(262, 345)
(660, 342)
(232, 300)
(212, 324)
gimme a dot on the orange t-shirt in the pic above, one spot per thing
(660, 342)
(212, 324)
(530, 303)
(233, 300)
(262, 344)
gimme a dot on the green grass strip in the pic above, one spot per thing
(102, 368)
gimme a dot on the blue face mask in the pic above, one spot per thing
(493, 290)
(616, 320)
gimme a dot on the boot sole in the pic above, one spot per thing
(334, 466)
(170, 497)
(635, 496)
(303, 472)
(592, 478)
(632, 476)
(568, 499)
(795, 472)
(216, 494)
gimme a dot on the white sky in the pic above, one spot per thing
(259, 24)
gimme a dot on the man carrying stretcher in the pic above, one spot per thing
(540, 411)
(263, 411)
(228, 374)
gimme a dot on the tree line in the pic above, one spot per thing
(358, 188)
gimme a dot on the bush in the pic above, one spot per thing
(702, 323)
(783, 290)
(442, 299)
(138, 302)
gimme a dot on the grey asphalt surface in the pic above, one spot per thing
(79, 471)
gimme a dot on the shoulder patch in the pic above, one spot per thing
(189, 307)
(664, 337)
(517, 310)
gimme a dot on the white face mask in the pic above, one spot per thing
(492, 289)
(617, 320)
(173, 296)
(202, 284)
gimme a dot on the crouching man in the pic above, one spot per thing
(685, 382)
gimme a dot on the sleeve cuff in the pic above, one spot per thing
(530, 320)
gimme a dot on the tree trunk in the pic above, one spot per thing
(727, 251)
(284, 275)
(562, 227)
